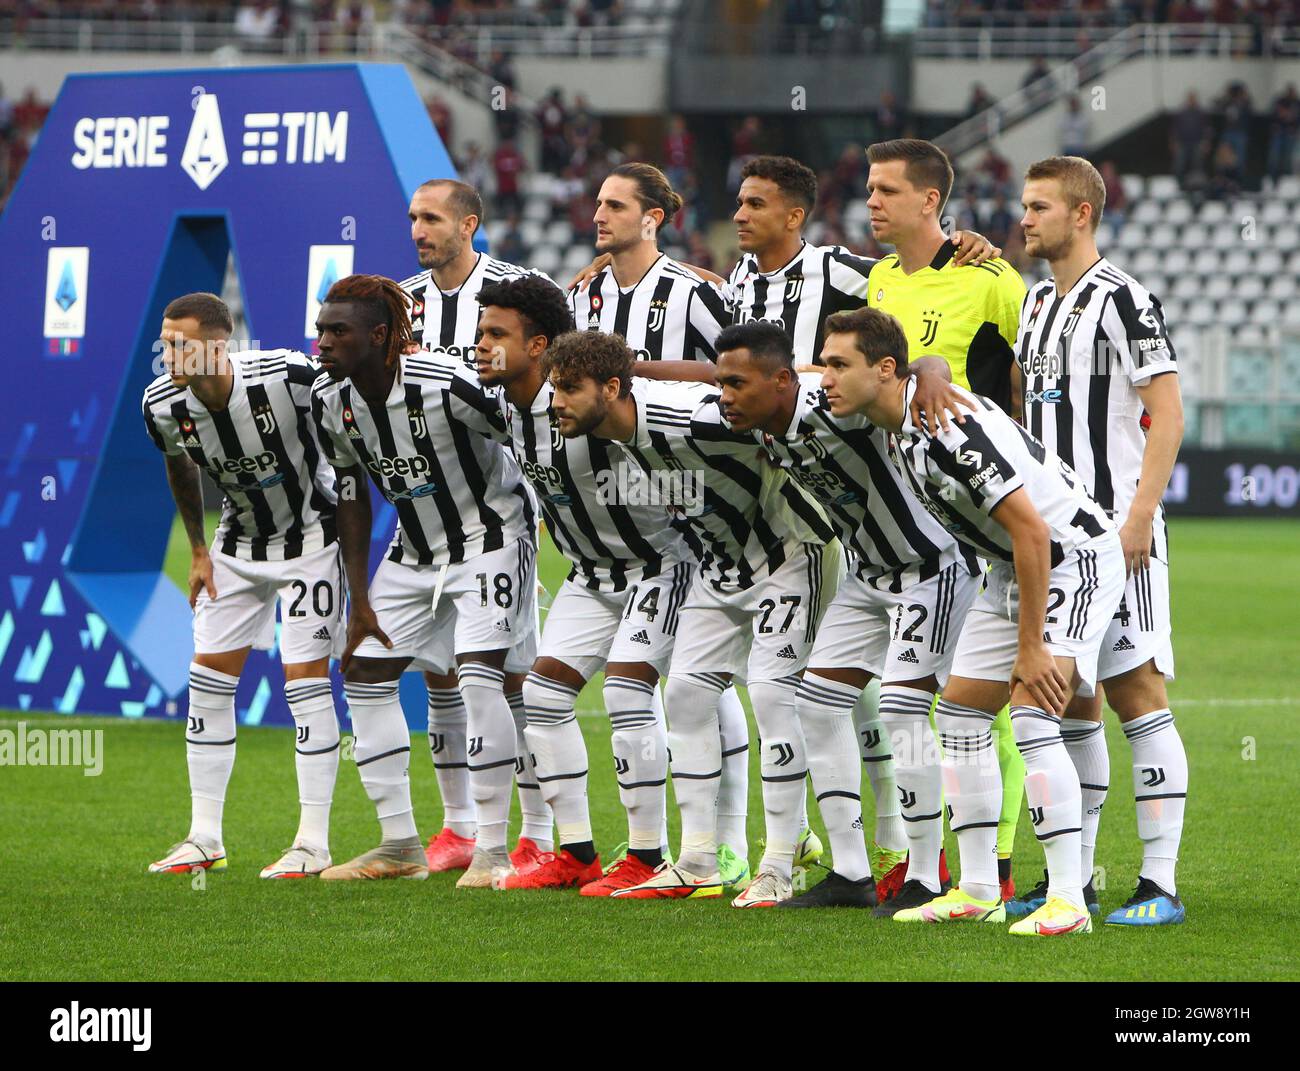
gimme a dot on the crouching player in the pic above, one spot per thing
(1056, 578)
(246, 420)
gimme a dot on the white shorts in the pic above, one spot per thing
(900, 636)
(309, 590)
(765, 632)
(1084, 591)
(487, 603)
(585, 629)
(1140, 630)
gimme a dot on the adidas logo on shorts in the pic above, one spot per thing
(1123, 644)
(910, 656)
(786, 652)
(321, 633)
(641, 637)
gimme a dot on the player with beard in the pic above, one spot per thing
(445, 215)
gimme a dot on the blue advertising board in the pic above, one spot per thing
(139, 188)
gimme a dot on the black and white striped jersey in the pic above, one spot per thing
(670, 314)
(745, 512)
(596, 503)
(844, 464)
(960, 476)
(458, 493)
(817, 281)
(1082, 356)
(448, 319)
(261, 450)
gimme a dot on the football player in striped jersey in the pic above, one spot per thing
(245, 420)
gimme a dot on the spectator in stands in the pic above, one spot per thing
(474, 167)
(1235, 112)
(679, 152)
(509, 165)
(599, 13)
(553, 121)
(440, 114)
(257, 23)
(1188, 141)
(1076, 129)
(1116, 198)
(510, 247)
(1001, 221)
(502, 69)
(980, 100)
(698, 252)
(993, 172)
(968, 212)
(506, 117)
(890, 119)
(744, 144)
(1284, 126)
(1225, 180)
(1038, 81)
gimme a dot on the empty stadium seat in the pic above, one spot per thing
(1163, 188)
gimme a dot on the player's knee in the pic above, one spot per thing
(371, 671)
(1137, 692)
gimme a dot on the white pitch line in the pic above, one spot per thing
(1234, 702)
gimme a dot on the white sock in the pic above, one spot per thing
(695, 758)
(878, 757)
(311, 702)
(447, 747)
(489, 751)
(209, 749)
(1160, 786)
(657, 705)
(972, 783)
(1055, 802)
(784, 766)
(382, 746)
(560, 755)
(640, 744)
(905, 713)
(1085, 743)
(825, 710)
(536, 821)
(733, 789)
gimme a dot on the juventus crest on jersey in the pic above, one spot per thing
(670, 314)
(457, 493)
(449, 320)
(817, 281)
(844, 465)
(961, 475)
(746, 512)
(261, 450)
(597, 516)
(1082, 356)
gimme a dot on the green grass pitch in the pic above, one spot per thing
(79, 904)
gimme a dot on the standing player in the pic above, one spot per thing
(1094, 355)
(665, 312)
(460, 577)
(896, 616)
(968, 316)
(246, 420)
(617, 610)
(1057, 575)
(764, 579)
(445, 215)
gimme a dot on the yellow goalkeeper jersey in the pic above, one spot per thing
(968, 316)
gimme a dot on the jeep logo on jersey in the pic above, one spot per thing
(658, 310)
(930, 318)
(1047, 365)
(388, 467)
(264, 418)
(257, 463)
(419, 429)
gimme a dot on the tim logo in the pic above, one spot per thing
(793, 290)
(658, 310)
(930, 318)
(419, 428)
(264, 418)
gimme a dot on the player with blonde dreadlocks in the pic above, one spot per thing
(422, 427)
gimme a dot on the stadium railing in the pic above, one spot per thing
(1145, 40)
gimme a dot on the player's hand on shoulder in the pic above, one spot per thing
(935, 402)
(201, 575)
(362, 622)
(973, 249)
(581, 280)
